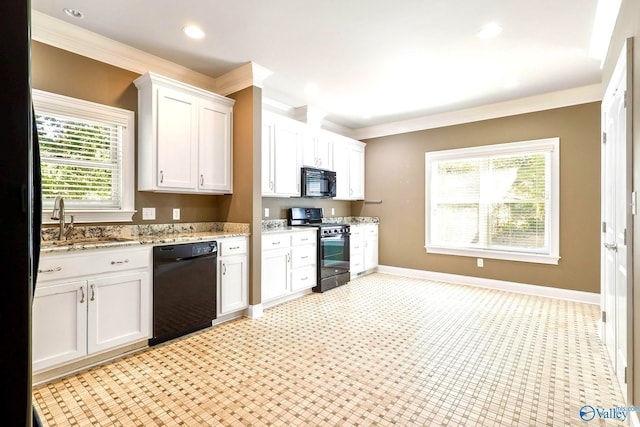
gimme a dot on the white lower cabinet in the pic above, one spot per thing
(233, 289)
(288, 263)
(363, 247)
(89, 303)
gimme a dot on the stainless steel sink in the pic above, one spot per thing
(86, 241)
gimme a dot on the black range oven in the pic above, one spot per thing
(333, 247)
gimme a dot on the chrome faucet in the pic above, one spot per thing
(58, 213)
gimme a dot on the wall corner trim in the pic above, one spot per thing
(520, 288)
(249, 74)
(255, 311)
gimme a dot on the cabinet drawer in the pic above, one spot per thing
(74, 264)
(232, 247)
(276, 241)
(356, 231)
(303, 238)
(371, 230)
(303, 255)
(303, 278)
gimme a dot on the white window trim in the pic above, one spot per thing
(553, 144)
(46, 102)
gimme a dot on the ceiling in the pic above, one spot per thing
(371, 62)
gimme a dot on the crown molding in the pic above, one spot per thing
(249, 74)
(63, 35)
(546, 101)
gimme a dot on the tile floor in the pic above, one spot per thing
(383, 350)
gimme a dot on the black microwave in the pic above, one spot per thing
(318, 183)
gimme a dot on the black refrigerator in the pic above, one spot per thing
(20, 218)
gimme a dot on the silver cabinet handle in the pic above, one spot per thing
(161, 177)
(288, 257)
(611, 246)
(271, 185)
(276, 243)
(126, 261)
(224, 269)
(304, 257)
(82, 294)
(93, 292)
(50, 270)
(234, 247)
(201, 179)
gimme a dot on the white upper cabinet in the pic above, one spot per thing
(184, 138)
(318, 148)
(348, 162)
(281, 155)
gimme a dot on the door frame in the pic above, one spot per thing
(624, 64)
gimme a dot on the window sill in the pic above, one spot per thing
(483, 253)
(91, 216)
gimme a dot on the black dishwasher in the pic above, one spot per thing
(184, 289)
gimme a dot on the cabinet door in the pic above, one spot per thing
(234, 288)
(370, 246)
(59, 323)
(275, 273)
(286, 166)
(341, 166)
(324, 150)
(356, 172)
(214, 148)
(177, 128)
(356, 250)
(118, 311)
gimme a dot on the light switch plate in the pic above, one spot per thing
(149, 213)
(480, 262)
(176, 213)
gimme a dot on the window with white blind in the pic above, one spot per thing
(497, 201)
(86, 154)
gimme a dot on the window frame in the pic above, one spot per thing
(56, 104)
(551, 145)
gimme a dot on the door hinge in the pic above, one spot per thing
(604, 317)
(604, 137)
(604, 227)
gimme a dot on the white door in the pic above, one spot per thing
(214, 148)
(275, 273)
(177, 139)
(118, 311)
(59, 324)
(616, 188)
(233, 283)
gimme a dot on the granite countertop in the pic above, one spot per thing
(285, 229)
(84, 238)
(270, 226)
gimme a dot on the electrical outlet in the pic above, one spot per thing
(176, 213)
(333, 211)
(149, 213)
(480, 262)
(266, 212)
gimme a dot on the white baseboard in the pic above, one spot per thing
(634, 421)
(520, 288)
(255, 311)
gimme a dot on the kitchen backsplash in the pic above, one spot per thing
(128, 231)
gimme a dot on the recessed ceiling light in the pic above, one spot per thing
(73, 13)
(490, 31)
(193, 32)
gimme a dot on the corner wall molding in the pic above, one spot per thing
(249, 74)
(255, 311)
(519, 288)
(546, 101)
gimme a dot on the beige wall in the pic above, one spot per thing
(279, 207)
(628, 25)
(395, 175)
(58, 71)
